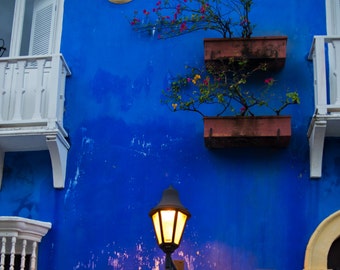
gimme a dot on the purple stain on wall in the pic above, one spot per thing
(212, 256)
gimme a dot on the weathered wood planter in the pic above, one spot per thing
(245, 131)
(267, 49)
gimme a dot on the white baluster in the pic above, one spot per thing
(33, 256)
(2, 104)
(19, 90)
(11, 263)
(336, 72)
(38, 91)
(23, 255)
(3, 66)
(3, 253)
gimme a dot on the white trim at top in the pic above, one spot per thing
(23, 228)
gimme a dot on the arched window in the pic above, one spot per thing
(323, 244)
(333, 260)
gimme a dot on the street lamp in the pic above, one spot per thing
(169, 218)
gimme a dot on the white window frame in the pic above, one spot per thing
(17, 27)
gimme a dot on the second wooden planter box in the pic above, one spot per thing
(267, 49)
(240, 131)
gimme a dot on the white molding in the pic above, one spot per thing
(24, 228)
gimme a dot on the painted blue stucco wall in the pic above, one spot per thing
(251, 209)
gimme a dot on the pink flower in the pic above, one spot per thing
(269, 81)
(158, 3)
(206, 81)
(134, 21)
(183, 27)
(146, 12)
(203, 8)
(244, 22)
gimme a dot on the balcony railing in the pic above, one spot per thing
(325, 53)
(32, 93)
(19, 239)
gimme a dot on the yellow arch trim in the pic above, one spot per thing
(120, 1)
(320, 243)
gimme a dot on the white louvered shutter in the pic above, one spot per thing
(333, 17)
(43, 22)
(333, 29)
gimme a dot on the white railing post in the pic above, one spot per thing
(54, 86)
(335, 72)
(12, 257)
(33, 262)
(38, 91)
(57, 85)
(3, 66)
(23, 255)
(3, 253)
(19, 90)
(320, 86)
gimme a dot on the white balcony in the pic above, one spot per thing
(31, 109)
(19, 240)
(325, 53)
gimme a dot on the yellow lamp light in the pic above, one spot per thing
(169, 218)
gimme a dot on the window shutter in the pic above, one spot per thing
(333, 29)
(42, 27)
(333, 17)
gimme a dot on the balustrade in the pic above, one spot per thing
(19, 238)
(32, 89)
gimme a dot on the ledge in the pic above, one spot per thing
(23, 228)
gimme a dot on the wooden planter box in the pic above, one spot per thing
(240, 131)
(268, 49)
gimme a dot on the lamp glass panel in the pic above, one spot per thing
(181, 220)
(157, 226)
(168, 220)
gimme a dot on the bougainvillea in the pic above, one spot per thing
(171, 18)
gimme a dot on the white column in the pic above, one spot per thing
(11, 263)
(3, 253)
(33, 256)
(23, 255)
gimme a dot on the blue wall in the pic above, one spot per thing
(250, 208)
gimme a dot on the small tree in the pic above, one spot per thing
(227, 88)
